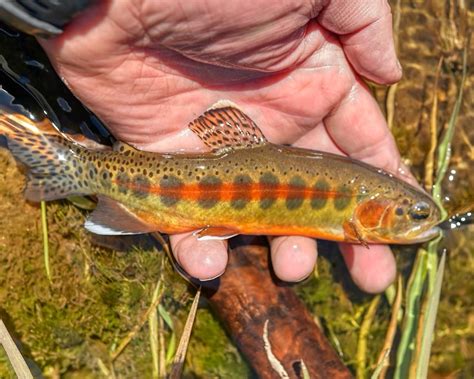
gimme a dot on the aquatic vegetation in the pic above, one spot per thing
(425, 282)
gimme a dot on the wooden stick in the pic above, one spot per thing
(261, 312)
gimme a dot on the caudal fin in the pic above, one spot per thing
(53, 162)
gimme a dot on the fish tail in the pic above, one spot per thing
(52, 161)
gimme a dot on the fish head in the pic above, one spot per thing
(399, 217)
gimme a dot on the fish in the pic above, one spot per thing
(244, 184)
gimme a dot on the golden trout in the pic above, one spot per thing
(244, 185)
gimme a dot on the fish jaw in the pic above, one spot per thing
(425, 236)
(414, 237)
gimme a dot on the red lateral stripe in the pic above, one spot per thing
(231, 191)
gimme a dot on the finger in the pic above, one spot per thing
(365, 31)
(359, 129)
(293, 258)
(373, 269)
(204, 260)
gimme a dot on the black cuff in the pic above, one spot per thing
(44, 18)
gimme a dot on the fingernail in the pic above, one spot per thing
(399, 65)
(304, 277)
(212, 277)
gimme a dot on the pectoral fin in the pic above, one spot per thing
(215, 233)
(224, 127)
(112, 218)
(352, 234)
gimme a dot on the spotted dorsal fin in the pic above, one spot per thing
(224, 127)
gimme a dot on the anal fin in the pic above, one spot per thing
(112, 218)
(215, 233)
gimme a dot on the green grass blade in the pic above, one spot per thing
(171, 349)
(444, 148)
(428, 327)
(361, 355)
(44, 228)
(166, 316)
(153, 335)
(154, 328)
(414, 293)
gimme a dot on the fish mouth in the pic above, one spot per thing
(427, 235)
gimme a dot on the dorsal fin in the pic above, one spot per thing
(224, 127)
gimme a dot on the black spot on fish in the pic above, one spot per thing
(295, 196)
(343, 198)
(171, 186)
(319, 196)
(104, 180)
(269, 184)
(141, 186)
(123, 182)
(241, 196)
(92, 170)
(210, 188)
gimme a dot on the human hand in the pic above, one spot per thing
(147, 68)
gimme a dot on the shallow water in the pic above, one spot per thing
(96, 294)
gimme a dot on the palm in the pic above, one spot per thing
(147, 78)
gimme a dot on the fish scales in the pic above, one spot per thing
(246, 185)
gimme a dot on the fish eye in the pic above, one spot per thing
(420, 211)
